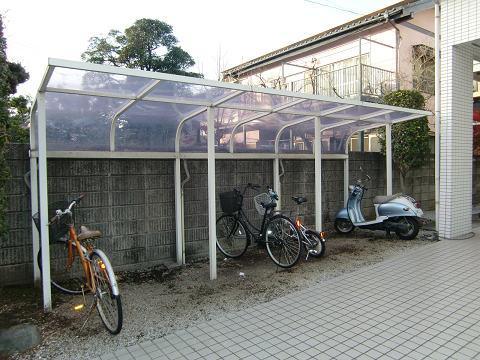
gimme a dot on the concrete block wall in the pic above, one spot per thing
(16, 247)
(133, 202)
(229, 175)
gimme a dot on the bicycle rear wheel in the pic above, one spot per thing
(68, 280)
(232, 238)
(316, 245)
(283, 241)
(109, 304)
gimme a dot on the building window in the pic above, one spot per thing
(423, 59)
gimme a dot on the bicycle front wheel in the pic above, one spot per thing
(282, 241)
(109, 304)
(67, 279)
(232, 238)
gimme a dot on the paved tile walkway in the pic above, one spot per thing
(424, 305)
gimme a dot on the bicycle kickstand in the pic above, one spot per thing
(89, 310)
(89, 313)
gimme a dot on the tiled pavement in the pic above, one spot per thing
(424, 305)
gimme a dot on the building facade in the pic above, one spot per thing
(364, 59)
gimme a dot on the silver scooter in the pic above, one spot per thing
(399, 213)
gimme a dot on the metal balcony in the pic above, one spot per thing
(345, 83)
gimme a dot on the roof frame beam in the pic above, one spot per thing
(144, 92)
(198, 112)
(258, 116)
(323, 113)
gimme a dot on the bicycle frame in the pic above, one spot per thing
(252, 229)
(84, 254)
(302, 229)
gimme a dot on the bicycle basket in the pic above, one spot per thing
(60, 227)
(231, 201)
(259, 199)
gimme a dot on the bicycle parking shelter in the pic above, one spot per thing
(85, 110)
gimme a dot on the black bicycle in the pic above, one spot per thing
(278, 232)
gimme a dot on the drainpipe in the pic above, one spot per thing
(437, 113)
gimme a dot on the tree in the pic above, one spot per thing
(410, 139)
(148, 44)
(17, 127)
(11, 74)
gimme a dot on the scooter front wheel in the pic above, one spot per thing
(343, 226)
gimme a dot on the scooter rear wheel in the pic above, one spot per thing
(413, 228)
(343, 226)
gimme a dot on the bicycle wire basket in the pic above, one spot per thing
(231, 201)
(60, 227)
(259, 199)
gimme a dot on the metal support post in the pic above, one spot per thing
(212, 232)
(388, 151)
(346, 180)
(276, 181)
(318, 174)
(179, 213)
(43, 200)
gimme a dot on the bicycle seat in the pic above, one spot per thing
(299, 199)
(86, 233)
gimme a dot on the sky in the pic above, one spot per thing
(211, 31)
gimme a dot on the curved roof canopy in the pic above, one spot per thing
(97, 109)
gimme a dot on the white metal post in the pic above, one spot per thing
(276, 181)
(179, 212)
(346, 180)
(318, 174)
(34, 206)
(212, 229)
(388, 152)
(43, 201)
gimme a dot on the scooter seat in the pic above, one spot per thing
(299, 199)
(382, 199)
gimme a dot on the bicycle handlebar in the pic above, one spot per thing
(272, 193)
(60, 213)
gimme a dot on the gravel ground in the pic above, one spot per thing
(161, 300)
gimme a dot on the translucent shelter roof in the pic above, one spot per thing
(89, 110)
(98, 110)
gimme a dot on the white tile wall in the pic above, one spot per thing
(459, 26)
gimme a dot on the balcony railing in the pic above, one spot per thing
(344, 83)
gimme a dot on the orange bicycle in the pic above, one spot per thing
(92, 274)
